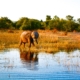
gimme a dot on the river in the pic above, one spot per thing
(26, 65)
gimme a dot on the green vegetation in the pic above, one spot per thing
(69, 24)
(55, 33)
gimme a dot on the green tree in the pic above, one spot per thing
(56, 18)
(29, 24)
(61, 25)
(26, 25)
(35, 24)
(20, 22)
(48, 17)
(78, 20)
(69, 17)
(5, 23)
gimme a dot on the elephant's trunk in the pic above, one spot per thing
(35, 36)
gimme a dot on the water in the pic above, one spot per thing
(23, 65)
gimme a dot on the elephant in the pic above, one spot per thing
(28, 56)
(29, 59)
(29, 37)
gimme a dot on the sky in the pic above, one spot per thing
(38, 9)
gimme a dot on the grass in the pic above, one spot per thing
(48, 41)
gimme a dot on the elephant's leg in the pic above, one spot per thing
(33, 44)
(36, 41)
(24, 45)
(29, 44)
(20, 44)
(32, 41)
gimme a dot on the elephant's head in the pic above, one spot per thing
(35, 36)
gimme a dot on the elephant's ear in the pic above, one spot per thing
(35, 34)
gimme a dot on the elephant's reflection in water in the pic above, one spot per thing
(29, 59)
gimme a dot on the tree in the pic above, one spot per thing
(35, 24)
(26, 25)
(56, 18)
(69, 17)
(78, 20)
(20, 22)
(5, 23)
(30, 24)
(48, 17)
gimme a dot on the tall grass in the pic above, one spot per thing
(48, 41)
(8, 40)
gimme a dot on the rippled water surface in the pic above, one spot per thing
(26, 65)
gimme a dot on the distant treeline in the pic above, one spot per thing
(24, 23)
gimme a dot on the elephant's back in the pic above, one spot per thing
(25, 36)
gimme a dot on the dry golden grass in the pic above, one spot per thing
(9, 39)
(48, 41)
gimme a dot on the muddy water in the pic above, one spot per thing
(23, 65)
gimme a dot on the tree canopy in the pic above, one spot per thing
(25, 23)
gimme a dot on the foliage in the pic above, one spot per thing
(5, 23)
(48, 17)
(24, 23)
